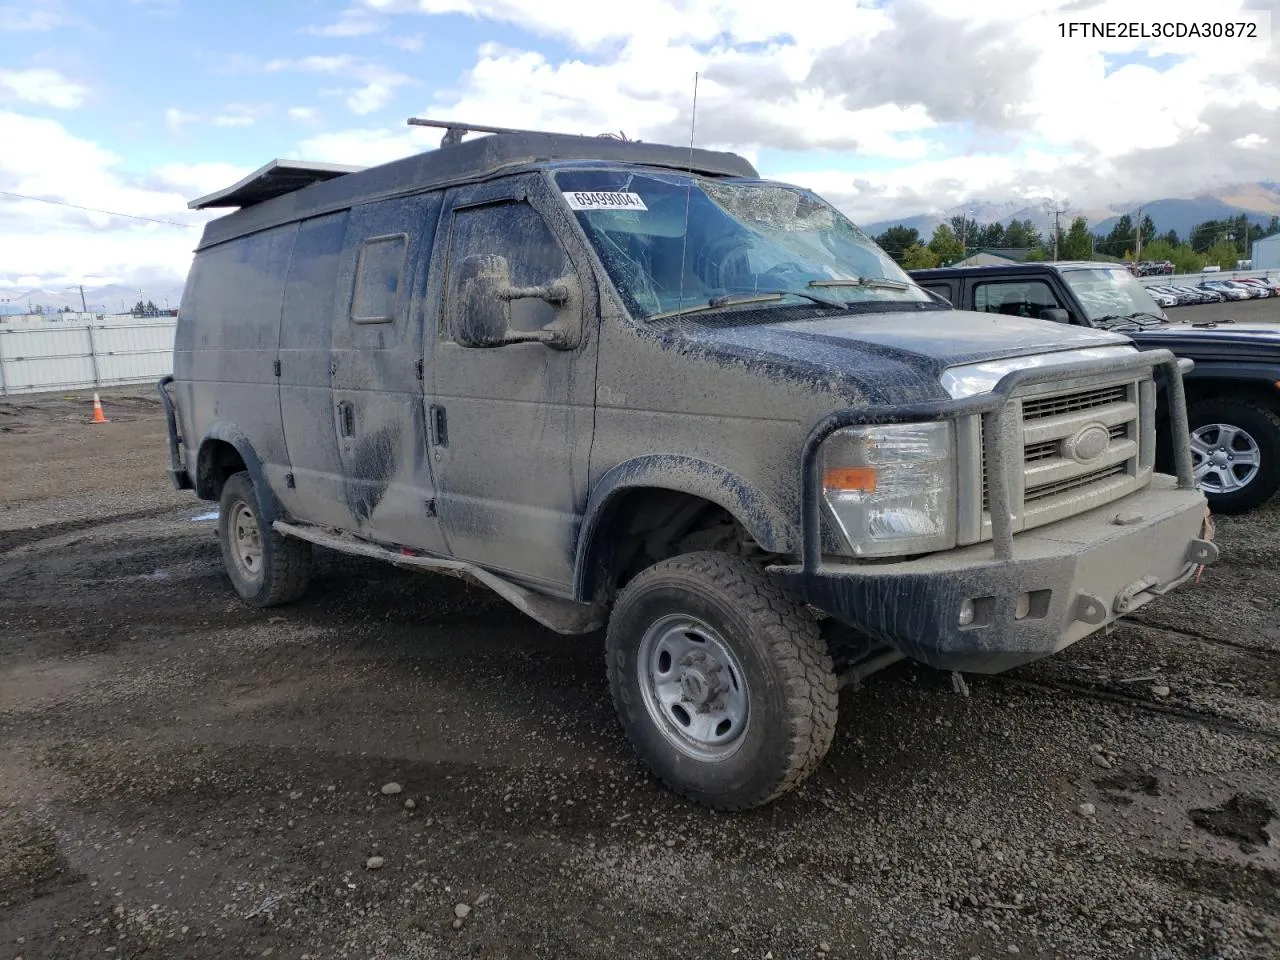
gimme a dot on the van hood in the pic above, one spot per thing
(891, 357)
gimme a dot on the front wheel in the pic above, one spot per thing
(1235, 451)
(722, 683)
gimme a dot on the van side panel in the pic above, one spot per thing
(227, 343)
(387, 492)
(306, 402)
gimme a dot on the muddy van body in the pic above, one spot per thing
(631, 387)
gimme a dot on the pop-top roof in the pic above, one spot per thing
(272, 180)
(282, 191)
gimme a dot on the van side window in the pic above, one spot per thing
(1015, 299)
(379, 270)
(515, 231)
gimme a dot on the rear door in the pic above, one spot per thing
(376, 366)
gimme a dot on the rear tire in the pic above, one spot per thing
(1226, 433)
(266, 569)
(722, 683)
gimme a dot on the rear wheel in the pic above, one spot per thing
(723, 683)
(1235, 452)
(266, 568)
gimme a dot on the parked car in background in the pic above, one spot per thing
(1203, 295)
(1181, 296)
(1227, 288)
(1257, 284)
(1233, 397)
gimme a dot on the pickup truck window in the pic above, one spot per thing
(1110, 293)
(672, 241)
(1023, 298)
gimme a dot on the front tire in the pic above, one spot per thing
(722, 683)
(1235, 451)
(266, 569)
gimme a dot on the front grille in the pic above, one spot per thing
(1056, 479)
(1075, 483)
(1042, 407)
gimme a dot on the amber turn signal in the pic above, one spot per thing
(850, 478)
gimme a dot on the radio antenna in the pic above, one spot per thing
(688, 191)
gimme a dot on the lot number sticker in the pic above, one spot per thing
(586, 200)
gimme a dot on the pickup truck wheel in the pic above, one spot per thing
(266, 568)
(1235, 451)
(723, 684)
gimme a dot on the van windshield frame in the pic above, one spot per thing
(676, 243)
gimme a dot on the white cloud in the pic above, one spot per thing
(932, 101)
(176, 119)
(378, 83)
(303, 114)
(44, 87)
(413, 42)
(41, 243)
(31, 17)
(354, 22)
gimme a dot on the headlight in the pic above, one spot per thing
(892, 489)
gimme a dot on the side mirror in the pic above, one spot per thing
(1055, 314)
(483, 317)
(484, 313)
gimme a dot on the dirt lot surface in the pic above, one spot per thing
(181, 776)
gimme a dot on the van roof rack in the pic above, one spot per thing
(454, 132)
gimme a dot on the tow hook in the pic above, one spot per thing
(1126, 597)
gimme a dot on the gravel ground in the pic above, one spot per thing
(181, 776)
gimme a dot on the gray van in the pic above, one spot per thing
(636, 385)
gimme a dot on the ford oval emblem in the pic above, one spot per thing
(1088, 444)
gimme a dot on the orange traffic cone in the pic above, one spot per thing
(98, 415)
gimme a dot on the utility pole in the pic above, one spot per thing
(1057, 212)
(84, 308)
(1137, 252)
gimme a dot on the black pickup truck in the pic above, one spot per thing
(1233, 394)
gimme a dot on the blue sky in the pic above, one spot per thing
(889, 108)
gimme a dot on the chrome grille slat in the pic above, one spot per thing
(1050, 483)
(1037, 408)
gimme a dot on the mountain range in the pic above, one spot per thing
(111, 298)
(1261, 201)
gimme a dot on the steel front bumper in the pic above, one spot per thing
(1064, 581)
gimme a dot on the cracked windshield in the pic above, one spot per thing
(1112, 296)
(745, 243)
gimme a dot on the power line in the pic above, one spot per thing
(76, 206)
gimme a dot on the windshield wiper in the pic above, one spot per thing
(743, 299)
(1112, 321)
(1143, 313)
(882, 283)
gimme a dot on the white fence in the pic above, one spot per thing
(73, 356)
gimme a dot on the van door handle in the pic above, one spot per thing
(346, 419)
(438, 424)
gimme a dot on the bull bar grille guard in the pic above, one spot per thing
(992, 407)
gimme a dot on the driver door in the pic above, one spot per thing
(511, 422)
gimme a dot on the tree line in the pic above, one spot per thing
(1222, 242)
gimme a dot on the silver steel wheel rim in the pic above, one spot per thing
(246, 541)
(694, 687)
(1225, 457)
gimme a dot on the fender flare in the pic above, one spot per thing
(757, 513)
(268, 505)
